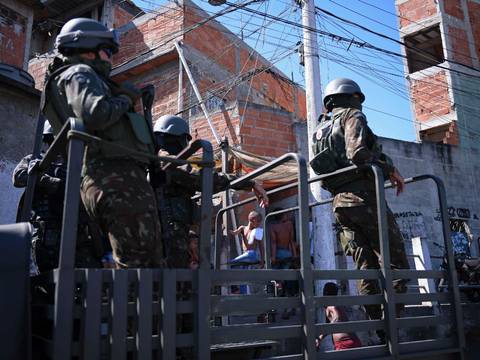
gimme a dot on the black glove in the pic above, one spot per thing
(130, 90)
(51, 184)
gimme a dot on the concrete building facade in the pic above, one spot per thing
(442, 42)
(18, 98)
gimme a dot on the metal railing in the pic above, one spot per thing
(101, 313)
(388, 298)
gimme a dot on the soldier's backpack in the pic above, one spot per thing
(326, 141)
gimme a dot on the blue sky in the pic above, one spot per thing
(381, 76)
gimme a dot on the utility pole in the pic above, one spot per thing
(322, 217)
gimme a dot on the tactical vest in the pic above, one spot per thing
(132, 132)
(330, 153)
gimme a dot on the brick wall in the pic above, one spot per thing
(459, 45)
(212, 41)
(474, 14)
(266, 131)
(37, 68)
(416, 10)
(274, 102)
(430, 97)
(454, 8)
(152, 33)
(121, 17)
(13, 28)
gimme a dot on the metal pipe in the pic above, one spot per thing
(202, 323)
(64, 291)
(197, 92)
(452, 272)
(389, 309)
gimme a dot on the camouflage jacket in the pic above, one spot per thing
(361, 147)
(48, 196)
(79, 90)
(180, 184)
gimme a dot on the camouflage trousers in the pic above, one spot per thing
(175, 239)
(117, 195)
(358, 234)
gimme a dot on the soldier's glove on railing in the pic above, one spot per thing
(51, 184)
(33, 165)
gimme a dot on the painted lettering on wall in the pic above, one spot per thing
(458, 212)
(411, 224)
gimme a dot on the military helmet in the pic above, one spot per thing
(86, 34)
(342, 86)
(172, 125)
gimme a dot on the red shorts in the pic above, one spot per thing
(347, 344)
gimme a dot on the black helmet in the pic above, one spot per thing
(172, 125)
(172, 134)
(86, 34)
(341, 86)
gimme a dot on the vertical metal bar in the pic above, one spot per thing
(64, 291)
(197, 92)
(452, 272)
(168, 314)
(268, 243)
(225, 199)
(144, 308)
(93, 304)
(306, 266)
(390, 315)
(119, 315)
(180, 87)
(32, 178)
(202, 323)
(218, 240)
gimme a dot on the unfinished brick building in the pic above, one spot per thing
(442, 48)
(249, 100)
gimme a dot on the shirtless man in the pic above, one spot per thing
(282, 242)
(335, 314)
(252, 240)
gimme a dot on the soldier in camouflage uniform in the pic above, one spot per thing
(114, 188)
(174, 197)
(354, 205)
(47, 214)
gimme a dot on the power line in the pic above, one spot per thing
(411, 47)
(346, 40)
(191, 28)
(410, 20)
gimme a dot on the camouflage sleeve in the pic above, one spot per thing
(361, 144)
(20, 173)
(88, 99)
(186, 174)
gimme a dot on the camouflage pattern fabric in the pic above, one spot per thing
(176, 209)
(117, 195)
(358, 235)
(47, 210)
(115, 190)
(354, 143)
(354, 204)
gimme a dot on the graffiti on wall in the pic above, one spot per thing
(453, 212)
(411, 224)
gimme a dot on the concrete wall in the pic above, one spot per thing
(417, 208)
(18, 114)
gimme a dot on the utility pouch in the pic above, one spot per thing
(140, 127)
(324, 162)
